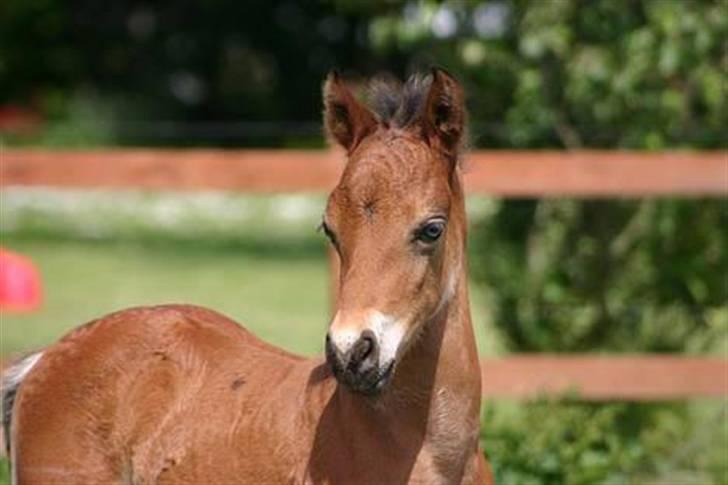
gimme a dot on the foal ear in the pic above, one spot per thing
(444, 114)
(346, 119)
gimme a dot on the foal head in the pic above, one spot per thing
(396, 219)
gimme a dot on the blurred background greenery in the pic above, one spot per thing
(549, 275)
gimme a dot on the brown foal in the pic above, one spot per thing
(181, 394)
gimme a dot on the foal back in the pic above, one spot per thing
(155, 395)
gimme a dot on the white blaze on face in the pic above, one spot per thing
(388, 331)
(342, 336)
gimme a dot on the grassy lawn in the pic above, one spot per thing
(283, 300)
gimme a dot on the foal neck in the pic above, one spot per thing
(444, 357)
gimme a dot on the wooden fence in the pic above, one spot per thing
(502, 174)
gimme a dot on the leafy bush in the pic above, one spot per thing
(595, 275)
(566, 442)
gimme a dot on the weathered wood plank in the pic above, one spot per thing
(631, 378)
(497, 173)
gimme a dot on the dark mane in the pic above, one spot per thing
(399, 105)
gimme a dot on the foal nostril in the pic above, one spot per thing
(361, 350)
(365, 352)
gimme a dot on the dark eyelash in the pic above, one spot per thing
(323, 227)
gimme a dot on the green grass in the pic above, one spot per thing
(283, 300)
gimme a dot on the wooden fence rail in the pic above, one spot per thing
(592, 377)
(497, 173)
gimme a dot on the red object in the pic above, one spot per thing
(20, 284)
(17, 119)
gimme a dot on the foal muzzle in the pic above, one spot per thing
(358, 367)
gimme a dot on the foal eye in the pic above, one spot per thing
(431, 231)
